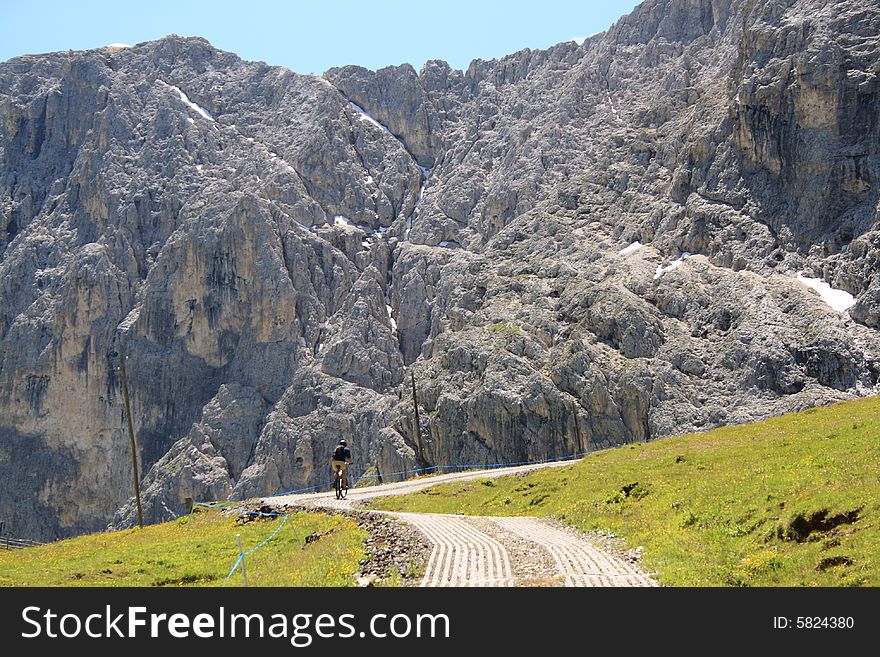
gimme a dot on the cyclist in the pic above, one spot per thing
(340, 460)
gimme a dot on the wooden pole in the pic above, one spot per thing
(241, 556)
(134, 463)
(418, 422)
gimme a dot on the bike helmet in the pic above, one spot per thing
(342, 442)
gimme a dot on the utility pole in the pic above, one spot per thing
(134, 463)
(241, 558)
(418, 422)
(577, 428)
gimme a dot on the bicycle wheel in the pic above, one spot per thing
(343, 489)
(338, 486)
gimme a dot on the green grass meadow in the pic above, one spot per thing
(196, 550)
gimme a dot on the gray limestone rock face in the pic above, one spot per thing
(569, 249)
(396, 97)
(365, 350)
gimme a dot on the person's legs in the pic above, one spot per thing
(345, 474)
(336, 466)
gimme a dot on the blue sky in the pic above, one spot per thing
(310, 37)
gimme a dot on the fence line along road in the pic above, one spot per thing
(8, 543)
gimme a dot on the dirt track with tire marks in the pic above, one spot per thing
(494, 551)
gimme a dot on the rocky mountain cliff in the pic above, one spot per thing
(570, 249)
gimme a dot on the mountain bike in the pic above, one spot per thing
(339, 485)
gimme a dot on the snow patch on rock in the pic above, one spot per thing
(839, 300)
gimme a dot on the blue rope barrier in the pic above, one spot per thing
(237, 562)
(277, 529)
(252, 550)
(474, 466)
(300, 490)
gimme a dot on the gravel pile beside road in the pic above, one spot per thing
(393, 546)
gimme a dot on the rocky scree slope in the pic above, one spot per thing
(571, 248)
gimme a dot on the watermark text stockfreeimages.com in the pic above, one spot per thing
(299, 629)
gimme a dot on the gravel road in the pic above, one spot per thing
(493, 551)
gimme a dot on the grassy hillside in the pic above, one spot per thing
(792, 501)
(196, 550)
